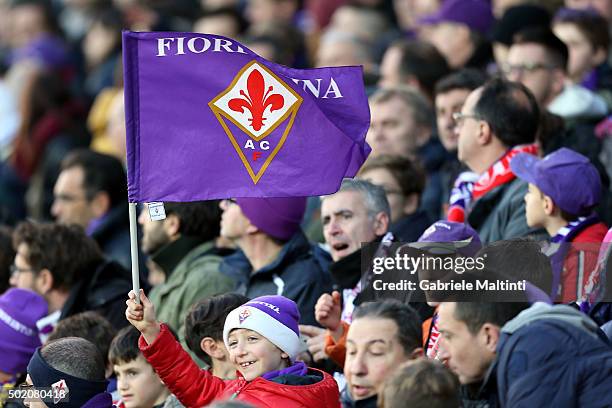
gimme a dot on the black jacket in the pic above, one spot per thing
(113, 238)
(433, 156)
(411, 227)
(481, 395)
(298, 273)
(103, 289)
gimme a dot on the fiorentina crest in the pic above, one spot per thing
(242, 316)
(257, 111)
(59, 391)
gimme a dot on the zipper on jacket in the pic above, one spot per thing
(243, 384)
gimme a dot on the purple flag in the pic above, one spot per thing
(207, 118)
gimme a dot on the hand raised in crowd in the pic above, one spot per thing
(315, 342)
(142, 316)
(328, 311)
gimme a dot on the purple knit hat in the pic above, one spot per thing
(20, 309)
(279, 217)
(274, 317)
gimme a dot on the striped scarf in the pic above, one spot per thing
(465, 193)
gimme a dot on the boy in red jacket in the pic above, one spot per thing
(564, 188)
(262, 338)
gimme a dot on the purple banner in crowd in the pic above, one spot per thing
(207, 118)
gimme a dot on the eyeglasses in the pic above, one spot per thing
(15, 270)
(521, 69)
(459, 117)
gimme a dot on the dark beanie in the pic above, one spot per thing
(79, 390)
(516, 19)
(279, 217)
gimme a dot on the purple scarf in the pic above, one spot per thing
(299, 368)
(563, 238)
(95, 224)
(591, 80)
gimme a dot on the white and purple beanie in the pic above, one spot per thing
(274, 317)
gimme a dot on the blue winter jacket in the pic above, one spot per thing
(553, 356)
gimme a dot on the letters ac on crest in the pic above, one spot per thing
(257, 101)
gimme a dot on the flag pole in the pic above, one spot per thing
(134, 251)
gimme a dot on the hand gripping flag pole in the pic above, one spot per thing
(134, 251)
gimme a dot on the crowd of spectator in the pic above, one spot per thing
(491, 131)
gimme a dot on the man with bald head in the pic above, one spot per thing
(497, 121)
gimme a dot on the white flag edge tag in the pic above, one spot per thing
(156, 211)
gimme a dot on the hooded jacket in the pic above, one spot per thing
(196, 388)
(553, 356)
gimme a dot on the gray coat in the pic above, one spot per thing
(500, 213)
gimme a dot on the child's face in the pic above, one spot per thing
(534, 207)
(582, 56)
(138, 385)
(254, 355)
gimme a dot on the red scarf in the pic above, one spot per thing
(433, 345)
(500, 173)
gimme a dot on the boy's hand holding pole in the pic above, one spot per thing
(142, 316)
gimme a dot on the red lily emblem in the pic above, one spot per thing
(256, 101)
